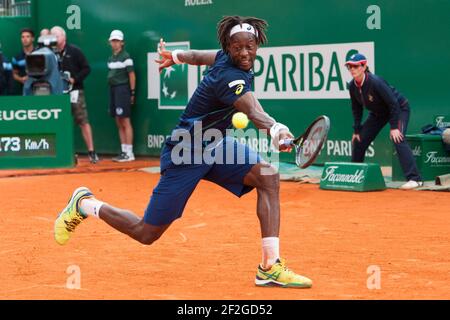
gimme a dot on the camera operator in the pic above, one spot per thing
(42, 66)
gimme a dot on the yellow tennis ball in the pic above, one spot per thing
(240, 120)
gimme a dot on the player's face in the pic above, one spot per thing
(27, 39)
(242, 49)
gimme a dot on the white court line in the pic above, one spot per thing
(184, 237)
(40, 286)
(43, 219)
(20, 289)
(195, 226)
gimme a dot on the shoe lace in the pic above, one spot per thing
(285, 268)
(71, 225)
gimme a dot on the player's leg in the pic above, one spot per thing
(166, 205)
(83, 204)
(240, 178)
(272, 271)
(406, 157)
(266, 180)
(245, 172)
(122, 220)
(369, 131)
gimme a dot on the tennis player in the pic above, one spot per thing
(224, 90)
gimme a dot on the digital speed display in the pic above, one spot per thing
(28, 145)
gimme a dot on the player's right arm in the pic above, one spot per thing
(248, 104)
(233, 88)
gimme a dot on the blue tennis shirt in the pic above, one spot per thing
(211, 103)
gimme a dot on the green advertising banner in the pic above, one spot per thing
(299, 73)
(36, 132)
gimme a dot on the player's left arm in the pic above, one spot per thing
(198, 57)
(192, 57)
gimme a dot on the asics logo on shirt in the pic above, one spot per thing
(240, 86)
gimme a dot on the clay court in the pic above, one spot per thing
(212, 252)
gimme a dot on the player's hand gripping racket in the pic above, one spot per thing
(309, 144)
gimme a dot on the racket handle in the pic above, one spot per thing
(286, 142)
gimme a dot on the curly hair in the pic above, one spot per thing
(228, 22)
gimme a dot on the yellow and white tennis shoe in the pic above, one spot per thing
(280, 276)
(71, 216)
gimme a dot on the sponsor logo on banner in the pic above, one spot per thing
(290, 72)
(417, 151)
(171, 86)
(442, 122)
(155, 140)
(343, 148)
(307, 72)
(193, 3)
(433, 159)
(350, 178)
(31, 114)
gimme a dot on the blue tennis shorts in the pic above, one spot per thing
(178, 182)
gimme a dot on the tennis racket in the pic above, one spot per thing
(308, 145)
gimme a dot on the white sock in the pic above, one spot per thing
(270, 251)
(91, 207)
(129, 149)
(124, 148)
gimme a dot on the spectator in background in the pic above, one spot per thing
(44, 32)
(2, 75)
(74, 61)
(122, 84)
(5, 75)
(19, 61)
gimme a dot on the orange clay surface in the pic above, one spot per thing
(212, 252)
